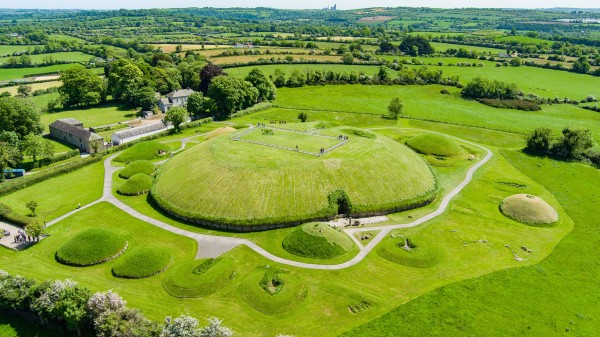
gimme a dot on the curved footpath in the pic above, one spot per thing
(211, 246)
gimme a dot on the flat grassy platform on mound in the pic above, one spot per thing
(243, 184)
(318, 241)
(273, 292)
(143, 151)
(138, 184)
(528, 209)
(434, 144)
(420, 255)
(91, 247)
(219, 132)
(139, 166)
(199, 278)
(289, 139)
(143, 262)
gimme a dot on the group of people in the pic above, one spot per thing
(342, 137)
(22, 237)
(277, 122)
(322, 150)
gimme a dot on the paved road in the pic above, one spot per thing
(210, 246)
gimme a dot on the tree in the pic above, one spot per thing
(125, 79)
(383, 75)
(32, 205)
(195, 104)
(80, 87)
(540, 142)
(303, 117)
(125, 322)
(10, 156)
(36, 146)
(231, 94)
(581, 65)
(207, 74)
(484, 88)
(24, 90)
(35, 229)
(573, 143)
(348, 58)
(176, 115)
(296, 79)
(278, 78)
(146, 98)
(19, 116)
(214, 329)
(423, 47)
(395, 108)
(516, 62)
(266, 88)
(190, 73)
(182, 326)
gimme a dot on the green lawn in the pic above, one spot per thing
(305, 142)
(62, 56)
(60, 195)
(96, 116)
(551, 298)
(6, 49)
(17, 73)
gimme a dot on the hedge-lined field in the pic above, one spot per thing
(245, 184)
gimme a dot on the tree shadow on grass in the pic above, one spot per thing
(26, 325)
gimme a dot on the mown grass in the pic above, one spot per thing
(199, 278)
(143, 262)
(91, 247)
(139, 166)
(147, 150)
(304, 142)
(108, 113)
(423, 255)
(551, 298)
(60, 56)
(17, 73)
(60, 195)
(137, 184)
(245, 184)
(317, 241)
(434, 144)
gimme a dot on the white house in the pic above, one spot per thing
(175, 98)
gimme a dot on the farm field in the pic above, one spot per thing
(34, 86)
(94, 116)
(18, 73)
(10, 49)
(439, 46)
(64, 56)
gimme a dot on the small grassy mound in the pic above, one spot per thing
(91, 247)
(273, 291)
(420, 255)
(143, 262)
(138, 166)
(143, 151)
(358, 132)
(433, 144)
(528, 209)
(219, 132)
(317, 241)
(136, 185)
(199, 278)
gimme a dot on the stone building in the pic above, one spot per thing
(175, 98)
(71, 131)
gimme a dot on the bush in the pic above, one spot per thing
(255, 108)
(138, 166)
(26, 181)
(50, 160)
(8, 215)
(91, 247)
(484, 88)
(138, 184)
(510, 104)
(143, 262)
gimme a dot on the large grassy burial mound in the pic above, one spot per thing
(91, 247)
(136, 185)
(143, 262)
(433, 144)
(245, 185)
(143, 151)
(317, 240)
(528, 209)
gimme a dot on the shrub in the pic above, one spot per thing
(255, 108)
(91, 247)
(143, 262)
(15, 291)
(540, 142)
(138, 184)
(510, 104)
(444, 92)
(484, 88)
(8, 215)
(138, 166)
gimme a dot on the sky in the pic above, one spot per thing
(351, 4)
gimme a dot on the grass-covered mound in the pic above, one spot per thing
(199, 278)
(528, 209)
(318, 241)
(91, 247)
(138, 166)
(143, 151)
(136, 185)
(245, 184)
(219, 132)
(143, 262)
(434, 144)
(273, 291)
(420, 254)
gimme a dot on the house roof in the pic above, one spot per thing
(165, 102)
(71, 121)
(140, 130)
(180, 93)
(74, 130)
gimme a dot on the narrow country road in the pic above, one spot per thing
(211, 246)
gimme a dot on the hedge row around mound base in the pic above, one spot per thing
(136, 185)
(199, 278)
(138, 166)
(317, 241)
(143, 262)
(91, 247)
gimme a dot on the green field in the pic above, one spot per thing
(305, 142)
(439, 46)
(17, 73)
(96, 116)
(250, 188)
(60, 57)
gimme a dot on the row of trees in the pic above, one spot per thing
(571, 144)
(66, 304)
(483, 88)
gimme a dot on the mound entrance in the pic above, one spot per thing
(242, 186)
